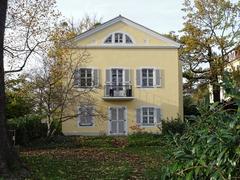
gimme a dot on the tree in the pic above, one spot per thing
(24, 34)
(19, 97)
(86, 23)
(28, 27)
(20, 36)
(210, 34)
(54, 85)
(7, 154)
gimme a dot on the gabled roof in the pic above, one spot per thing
(130, 23)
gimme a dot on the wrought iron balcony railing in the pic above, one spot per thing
(118, 91)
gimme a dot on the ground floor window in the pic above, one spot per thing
(148, 116)
(85, 116)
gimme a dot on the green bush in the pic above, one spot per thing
(189, 106)
(28, 128)
(173, 127)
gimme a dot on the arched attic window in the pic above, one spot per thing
(118, 38)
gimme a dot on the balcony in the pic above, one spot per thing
(118, 92)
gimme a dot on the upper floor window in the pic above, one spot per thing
(128, 39)
(118, 38)
(86, 77)
(109, 39)
(148, 77)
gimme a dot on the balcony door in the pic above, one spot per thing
(118, 82)
(117, 79)
(117, 121)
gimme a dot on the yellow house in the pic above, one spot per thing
(234, 60)
(137, 77)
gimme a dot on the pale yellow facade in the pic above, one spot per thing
(147, 50)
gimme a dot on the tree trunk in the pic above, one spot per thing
(216, 93)
(214, 76)
(8, 156)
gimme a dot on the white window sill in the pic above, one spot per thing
(148, 126)
(147, 87)
(86, 126)
(86, 88)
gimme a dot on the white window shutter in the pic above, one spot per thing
(158, 78)
(112, 117)
(76, 77)
(110, 113)
(138, 116)
(139, 78)
(121, 115)
(80, 117)
(127, 76)
(125, 114)
(96, 77)
(89, 117)
(158, 115)
(108, 76)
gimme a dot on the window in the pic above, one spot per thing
(86, 77)
(118, 38)
(85, 116)
(128, 39)
(148, 116)
(147, 77)
(108, 40)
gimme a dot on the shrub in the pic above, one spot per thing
(190, 107)
(210, 145)
(210, 148)
(173, 127)
(28, 128)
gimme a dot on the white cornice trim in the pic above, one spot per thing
(121, 47)
(130, 23)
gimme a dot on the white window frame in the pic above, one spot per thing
(86, 78)
(154, 116)
(105, 41)
(148, 78)
(119, 38)
(154, 77)
(123, 74)
(154, 124)
(118, 43)
(78, 120)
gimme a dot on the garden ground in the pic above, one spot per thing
(132, 157)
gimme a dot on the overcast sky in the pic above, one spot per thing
(160, 15)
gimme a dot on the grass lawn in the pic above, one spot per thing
(133, 157)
